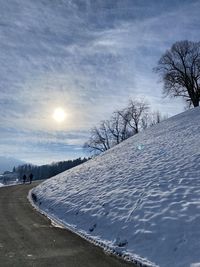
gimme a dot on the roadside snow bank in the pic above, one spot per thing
(142, 197)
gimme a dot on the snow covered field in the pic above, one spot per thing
(141, 197)
(10, 183)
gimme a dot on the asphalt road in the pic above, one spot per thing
(27, 238)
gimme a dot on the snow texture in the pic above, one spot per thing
(141, 197)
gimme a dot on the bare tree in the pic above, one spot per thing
(135, 114)
(179, 68)
(99, 140)
(108, 134)
(122, 125)
(155, 118)
(119, 128)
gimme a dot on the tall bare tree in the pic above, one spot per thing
(179, 68)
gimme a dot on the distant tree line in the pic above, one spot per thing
(48, 170)
(122, 125)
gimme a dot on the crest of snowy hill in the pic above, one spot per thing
(142, 196)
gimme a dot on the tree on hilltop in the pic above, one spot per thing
(179, 68)
(122, 125)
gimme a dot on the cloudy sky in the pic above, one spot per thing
(86, 56)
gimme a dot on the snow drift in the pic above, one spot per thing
(142, 196)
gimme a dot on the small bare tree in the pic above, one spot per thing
(155, 118)
(179, 68)
(119, 128)
(108, 134)
(134, 114)
(122, 125)
(99, 140)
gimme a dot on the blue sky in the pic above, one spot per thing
(88, 57)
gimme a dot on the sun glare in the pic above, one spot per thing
(59, 115)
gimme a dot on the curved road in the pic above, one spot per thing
(27, 238)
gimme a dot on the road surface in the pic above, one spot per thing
(27, 238)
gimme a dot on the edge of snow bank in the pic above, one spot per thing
(131, 258)
(6, 185)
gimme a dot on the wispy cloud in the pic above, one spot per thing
(86, 56)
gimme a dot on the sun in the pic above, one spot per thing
(59, 115)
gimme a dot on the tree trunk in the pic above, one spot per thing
(195, 102)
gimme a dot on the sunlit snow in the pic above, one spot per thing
(142, 196)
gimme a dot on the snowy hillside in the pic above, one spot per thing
(142, 196)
